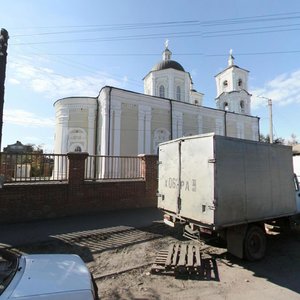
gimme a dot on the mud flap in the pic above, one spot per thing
(235, 240)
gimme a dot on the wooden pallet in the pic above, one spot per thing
(184, 260)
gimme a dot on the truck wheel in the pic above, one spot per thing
(254, 243)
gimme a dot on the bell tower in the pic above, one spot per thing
(232, 89)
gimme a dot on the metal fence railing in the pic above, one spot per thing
(33, 167)
(113, 167)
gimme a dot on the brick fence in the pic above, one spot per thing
(32, 201)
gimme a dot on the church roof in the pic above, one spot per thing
(168, 64)
(234, 91)
(231, 64)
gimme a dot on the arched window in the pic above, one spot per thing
(225, 83)
(162, 91)
(225, 106)
(178, 93)
(78, 149)
(240, 82)
(242, 106)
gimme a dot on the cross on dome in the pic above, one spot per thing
(167, 53)
(230, 59)
(167, 43)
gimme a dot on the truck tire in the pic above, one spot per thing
(254, 243)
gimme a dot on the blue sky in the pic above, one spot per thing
(73, 48)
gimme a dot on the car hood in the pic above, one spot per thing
(48, 274)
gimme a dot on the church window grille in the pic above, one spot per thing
(78, 149)
(178, 93)
(242, 106)
(162, 91)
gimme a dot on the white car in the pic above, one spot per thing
(46, 277)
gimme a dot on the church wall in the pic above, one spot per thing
(170, 79)
(162, 80)
(231, 128)
(138, 122)
(129, 129)
(78, 130)
(232, 80)
(248, 131)
(213, 120)
(78, 118)
(209, 124)
(99, 130)
(160, 127)
(251, 126)
(190, 124)
(75, 124)
(147, 85)
(242, 126)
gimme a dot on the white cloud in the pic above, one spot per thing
(14, 81)
(46, 81)
(26, 118)
(283, 90)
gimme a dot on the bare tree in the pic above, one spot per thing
(292, 140)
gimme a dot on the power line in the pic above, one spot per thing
(250, 28)
(118, 38)
(118, 25)
(249, 33)
(151, 25)
(99, 28)
(177, 54)
(183, 34)
(139, 25)
(261, 18)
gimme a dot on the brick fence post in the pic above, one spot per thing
(76, 167)
(150, 174)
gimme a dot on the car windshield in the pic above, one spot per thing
(8, 267)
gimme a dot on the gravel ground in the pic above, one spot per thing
(120, 258)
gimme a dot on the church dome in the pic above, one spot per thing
(168, 64)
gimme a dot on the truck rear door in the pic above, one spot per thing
(186, 178)
(168, 176)
(197, 179)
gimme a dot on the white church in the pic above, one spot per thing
(124, 123)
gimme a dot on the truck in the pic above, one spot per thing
(228, 187)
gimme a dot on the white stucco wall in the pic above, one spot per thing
(75, 124)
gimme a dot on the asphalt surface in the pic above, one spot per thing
(43, 230)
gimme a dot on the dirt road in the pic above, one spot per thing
(120, 258)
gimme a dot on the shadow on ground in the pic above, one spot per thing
(280, 266)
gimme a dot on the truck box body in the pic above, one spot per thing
(218, 181)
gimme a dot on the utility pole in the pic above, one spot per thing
(3, 55)
(270, 118)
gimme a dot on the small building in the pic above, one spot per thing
(18, 148)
